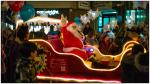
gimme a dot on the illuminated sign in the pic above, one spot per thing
(48, 12)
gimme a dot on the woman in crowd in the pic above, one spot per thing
(106, 44)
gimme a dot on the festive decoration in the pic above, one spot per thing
(129, 22)
(77, 20)
(42, 62)
(15, 5)
(84, 19)
(93, 14)
(27, 12)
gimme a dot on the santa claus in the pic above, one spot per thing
(73, 39)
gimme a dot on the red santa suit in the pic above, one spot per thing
(72, 40)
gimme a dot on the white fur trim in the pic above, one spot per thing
(141, 68)
(69, 49)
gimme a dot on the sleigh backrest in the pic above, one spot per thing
(56, 43)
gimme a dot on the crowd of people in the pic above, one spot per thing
(19, 56)
(114, 39)
(135, 67)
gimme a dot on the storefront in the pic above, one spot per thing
(106, 17)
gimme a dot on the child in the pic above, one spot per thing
(26, 65)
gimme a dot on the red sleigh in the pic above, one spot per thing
(70, 67)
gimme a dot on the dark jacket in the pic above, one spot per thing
(12, 55)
